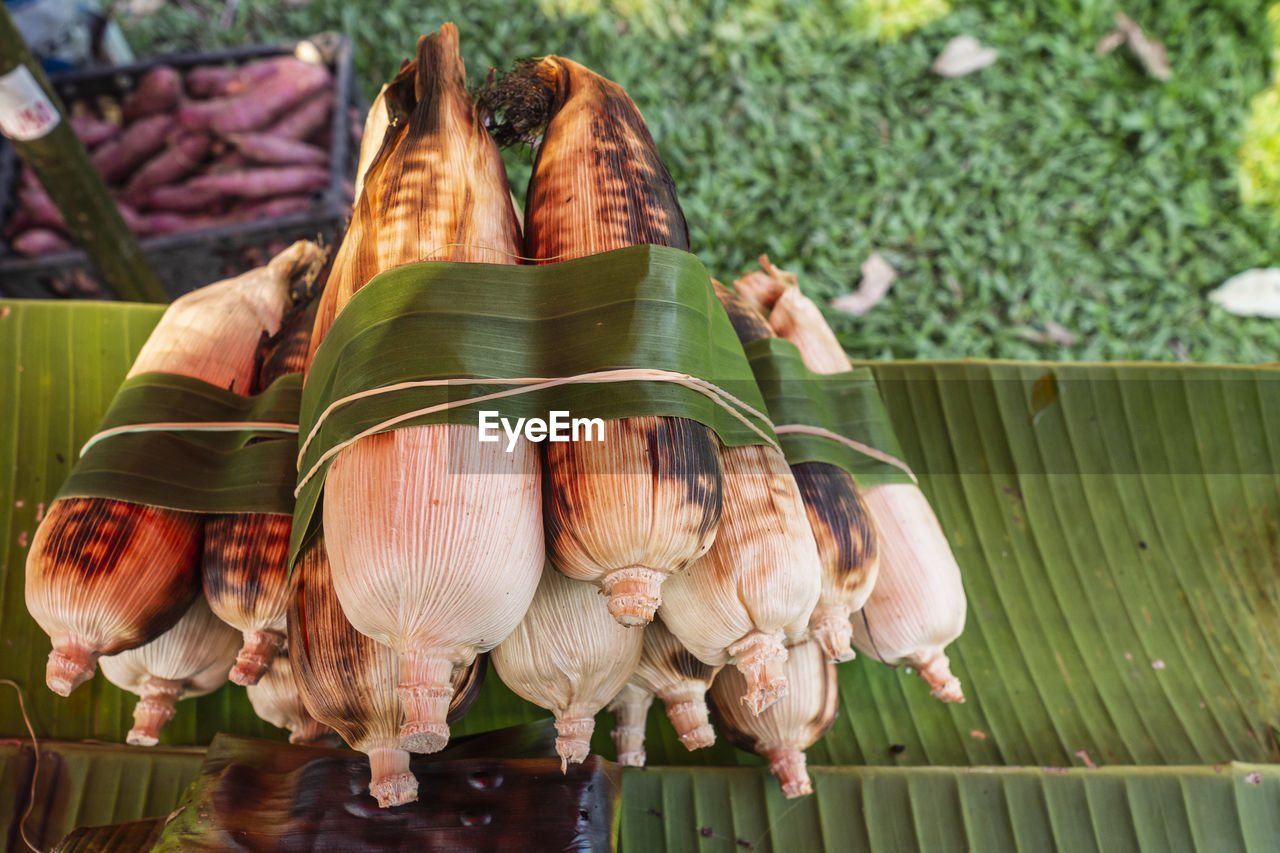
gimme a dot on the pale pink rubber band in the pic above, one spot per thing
(722, 398)
(189, 426)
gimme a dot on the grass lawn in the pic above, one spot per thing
(1054, 185)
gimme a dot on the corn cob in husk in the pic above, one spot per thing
(103, 575)
(190, 659)
(756, 587)
(348, 682)
(755, 590)
(625, 512)
(783, 731)
(275, 698)
(918, 604)
(630, 709)
(244, 570)
(681, 681)
(435, 538)
(569, 656)
(842, 527)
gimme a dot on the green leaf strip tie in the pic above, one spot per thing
(722, 398)
(174, 441)
(865, 449)
(633, 332)
(836, 418)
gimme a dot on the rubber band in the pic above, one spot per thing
(189, 426)
(864, 449)
(719, 396)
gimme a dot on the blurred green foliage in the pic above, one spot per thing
(1055, 185)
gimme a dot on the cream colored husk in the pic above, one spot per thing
(190, 659)
(918, 605)
(570, 657)
(630, 709)
(783, 731)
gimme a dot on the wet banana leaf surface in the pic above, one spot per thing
(86, 785)
(138, 836)
(267, 796)
(1118, 529)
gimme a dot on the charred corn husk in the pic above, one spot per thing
(918, 604)
(348, 682)
(434, 537)
(275, 698)
(630, 708)
(190, 659)
(570, 657)
(625, 512)
(103, 575)
(783, 731)
(671, 672)
(838, 517)
(245, 570)
(754, 591)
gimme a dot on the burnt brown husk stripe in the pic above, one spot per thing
(837, 516)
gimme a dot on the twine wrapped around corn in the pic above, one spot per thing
(643, 503)
(918, 604)
(411, 515)
(104, 576)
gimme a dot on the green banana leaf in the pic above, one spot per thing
(88, 784)
(1118, 527)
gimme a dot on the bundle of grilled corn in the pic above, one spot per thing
(676, 566)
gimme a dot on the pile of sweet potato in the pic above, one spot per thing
(212, 146)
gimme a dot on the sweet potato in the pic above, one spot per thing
(135, 221)
(140, 140)
(273, 208)
(183, 198)
(214, 81)
(158, 91)
(273, 151)
(256, 106)
(259, 106)
(264, 183)
(165, 222)
(39, 208)
(179, 160)
(231, 161)
(306, 119)
(40, 241)
(93, 131)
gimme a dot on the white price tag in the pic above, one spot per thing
(25, 110)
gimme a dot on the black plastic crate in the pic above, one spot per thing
(193, 259)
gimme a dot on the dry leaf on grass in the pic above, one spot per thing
(1054, 333)
(1252, 293)
(962, 55)
(1150, 52)
(877, 275)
